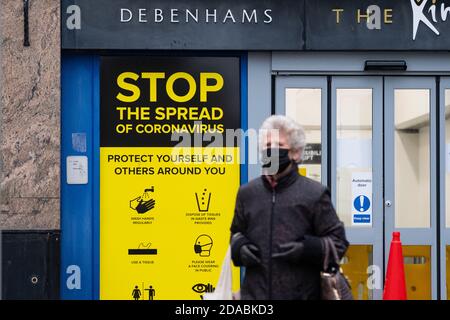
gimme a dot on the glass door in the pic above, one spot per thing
(304, 99)
(357, 177)
(377, 141)
(410, 178)
(342, 117)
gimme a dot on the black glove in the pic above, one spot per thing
(250, 255)
(291, 251)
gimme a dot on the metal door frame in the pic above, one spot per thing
(357, 236)
(289, 65)
(443, 84)
(363, 235)
(308, 82)
(410, 236)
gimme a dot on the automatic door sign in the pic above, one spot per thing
(144, 203)
(362, 198)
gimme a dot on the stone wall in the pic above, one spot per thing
(30, 116)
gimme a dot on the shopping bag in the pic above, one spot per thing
(224, 287)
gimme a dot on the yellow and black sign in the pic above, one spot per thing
(166, 199)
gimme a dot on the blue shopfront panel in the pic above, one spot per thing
(78, 83)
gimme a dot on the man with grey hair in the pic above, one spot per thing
(279, 221)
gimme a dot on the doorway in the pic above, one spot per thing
(377, 142)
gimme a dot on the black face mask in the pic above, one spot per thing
(197, 248)
(275, 160)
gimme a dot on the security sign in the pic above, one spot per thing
(362, 198)
(166, 195)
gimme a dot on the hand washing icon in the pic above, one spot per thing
(144, 203)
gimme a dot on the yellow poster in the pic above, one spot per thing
(164, 223)
(165, 211)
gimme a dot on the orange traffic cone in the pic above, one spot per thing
(395, 285)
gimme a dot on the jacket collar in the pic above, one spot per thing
(285, 180)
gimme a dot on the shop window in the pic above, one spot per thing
(412, 158)
(304, 106)
(354, 156)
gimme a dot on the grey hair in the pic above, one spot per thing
(294, 132)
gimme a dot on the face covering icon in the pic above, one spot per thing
(203, 245)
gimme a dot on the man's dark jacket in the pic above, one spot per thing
(295, 209)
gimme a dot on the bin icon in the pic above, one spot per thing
(203, 199)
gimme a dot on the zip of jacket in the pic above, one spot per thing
(270, 245)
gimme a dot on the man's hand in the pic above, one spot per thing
(291, 251)
(249, 255)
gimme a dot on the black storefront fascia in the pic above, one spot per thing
(254, 25)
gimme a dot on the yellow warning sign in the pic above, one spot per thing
(164, 224)
(166, 210)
